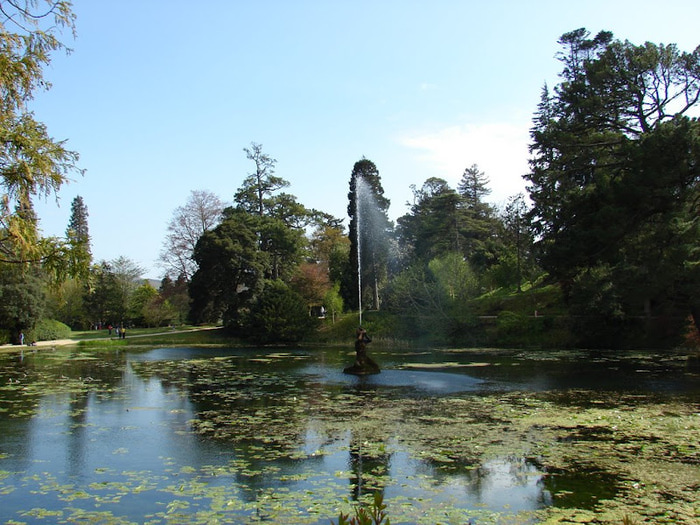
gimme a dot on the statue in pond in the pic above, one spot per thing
(363, 363)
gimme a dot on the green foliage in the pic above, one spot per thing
(280, 246)
(33, 164)
(435, 299)
(261, 238)
(48, 330)
(333, 302)
(255, 194)
(279, 315)
(367, 207)
(373, 514)
(175, 294)
(432, 227)
(443, 221)
(22, 298)
(142, 303)
(66, 303)
(230, 269)
(78, 237)
(615, 183)
(112, 286)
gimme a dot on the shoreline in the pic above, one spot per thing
(8, 348)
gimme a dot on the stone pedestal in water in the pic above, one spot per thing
(363, 364)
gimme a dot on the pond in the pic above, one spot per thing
(188, 435)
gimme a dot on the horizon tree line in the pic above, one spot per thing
(613, 218)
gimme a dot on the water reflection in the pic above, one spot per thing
(251, 433)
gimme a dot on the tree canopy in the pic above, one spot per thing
(202, 212)
(615, 178)
(369, 227)
(32, 164)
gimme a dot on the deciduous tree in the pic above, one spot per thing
(202, 212)
(113, 284)
(32, 163)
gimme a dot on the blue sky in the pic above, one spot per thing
(160, 98)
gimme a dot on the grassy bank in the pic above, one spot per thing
(535, 317)
(185, 335)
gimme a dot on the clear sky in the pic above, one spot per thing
(160, 97)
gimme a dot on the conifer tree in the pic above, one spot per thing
(615, 185)
(78, 236)
(373, 233)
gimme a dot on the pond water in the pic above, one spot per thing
(188, 435)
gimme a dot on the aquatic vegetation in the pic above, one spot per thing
(373, 514)
(262, 435)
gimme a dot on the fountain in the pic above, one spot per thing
(363, 364)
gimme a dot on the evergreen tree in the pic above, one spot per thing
(260, 240)
(279, 315)
(230, 269)
(279, 220)
(78, 222)
(368, 208)
(432, 227)
(176, 295)
(78, 236)
(615, 182)
(474, 187)
(478, 223)
(257, 189)
(518, 239)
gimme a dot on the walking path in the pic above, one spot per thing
(63, 342)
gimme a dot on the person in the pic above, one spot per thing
(21, 338)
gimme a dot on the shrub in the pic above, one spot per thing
(280, 315)
(47, 330)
